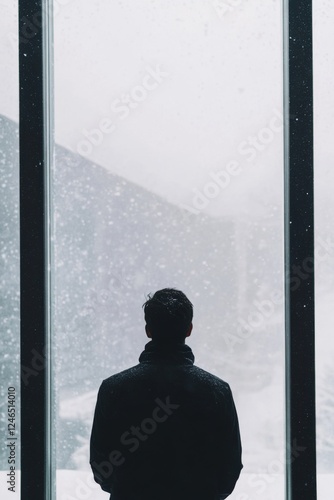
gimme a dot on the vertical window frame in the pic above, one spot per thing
(36, 152)
(299, 249)
(36, 131)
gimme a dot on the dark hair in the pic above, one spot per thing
(168, 315)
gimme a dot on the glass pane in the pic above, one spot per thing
(9, 255)
(324, 238)
(169, 172)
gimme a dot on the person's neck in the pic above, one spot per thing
(168, 345)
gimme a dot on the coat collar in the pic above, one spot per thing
(176, 354)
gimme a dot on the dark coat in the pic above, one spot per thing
(165, 430)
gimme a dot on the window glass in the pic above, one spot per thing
(9, 255)
(169, 172)
(324, 238)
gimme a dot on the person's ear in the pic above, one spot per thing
(189, 330)
(148, 333)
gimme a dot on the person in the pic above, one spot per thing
(166, 429)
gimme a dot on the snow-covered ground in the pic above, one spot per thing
(79, 485)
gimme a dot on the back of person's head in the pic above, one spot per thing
(168, 315)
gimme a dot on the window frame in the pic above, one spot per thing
(36, 146)
(299, 249)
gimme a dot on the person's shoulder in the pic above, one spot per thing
(208, 378)
(120, 377)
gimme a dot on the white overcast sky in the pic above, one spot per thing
(224, 85)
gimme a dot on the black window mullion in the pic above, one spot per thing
(299, 252)
(33, 129)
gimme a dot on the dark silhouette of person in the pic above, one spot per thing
(166, 429)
